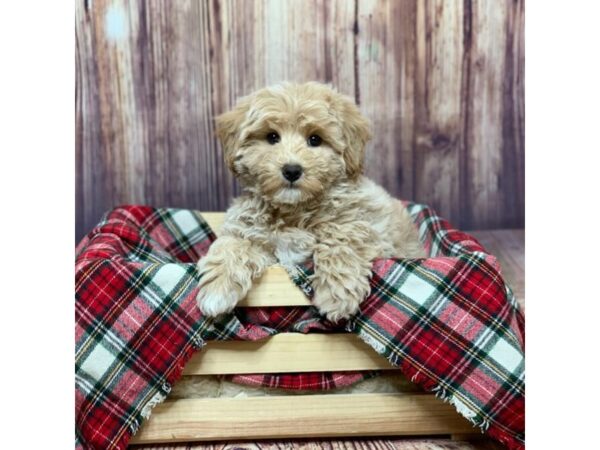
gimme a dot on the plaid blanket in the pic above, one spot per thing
(448, 321)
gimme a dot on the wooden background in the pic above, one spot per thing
(441, 81)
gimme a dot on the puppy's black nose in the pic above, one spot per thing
(292, 172)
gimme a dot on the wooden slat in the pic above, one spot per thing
(300, 416)
(340, 443)
(275, 288)
(286, 352)
(214, 220)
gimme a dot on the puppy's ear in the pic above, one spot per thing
(356, 132)
(229, 126)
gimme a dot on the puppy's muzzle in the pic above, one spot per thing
(291, 172)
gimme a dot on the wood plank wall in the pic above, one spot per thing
(441, 81)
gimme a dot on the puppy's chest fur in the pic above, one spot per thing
(289, 242)
(292, 246)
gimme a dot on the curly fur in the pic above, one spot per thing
(332, 213)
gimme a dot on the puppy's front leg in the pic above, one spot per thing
(343, 260)
(227, 272)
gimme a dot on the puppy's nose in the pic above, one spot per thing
(292, 172)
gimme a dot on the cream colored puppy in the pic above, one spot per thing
(298, 152)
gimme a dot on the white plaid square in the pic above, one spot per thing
(186, 221)
(506, 355)
(167, 277)
(98, 362)
(416, 289)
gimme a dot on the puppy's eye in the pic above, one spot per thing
(314, 140)
(273, 138)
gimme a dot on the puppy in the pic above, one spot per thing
(298, 150)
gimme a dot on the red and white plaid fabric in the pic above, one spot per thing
(448, 321)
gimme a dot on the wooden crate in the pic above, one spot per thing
(314, 415)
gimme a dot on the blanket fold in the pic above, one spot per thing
(448, 321)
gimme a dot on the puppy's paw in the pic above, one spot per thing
(339, 297)
(217, 294)
(213, 300)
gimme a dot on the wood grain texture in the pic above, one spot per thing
(335, 444)
(275, 288)
(439, 108)
(441, 82)
(286, 352)
(187, 420)
(386, 63)
(494, 128)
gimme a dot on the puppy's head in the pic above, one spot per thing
(290, 143)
